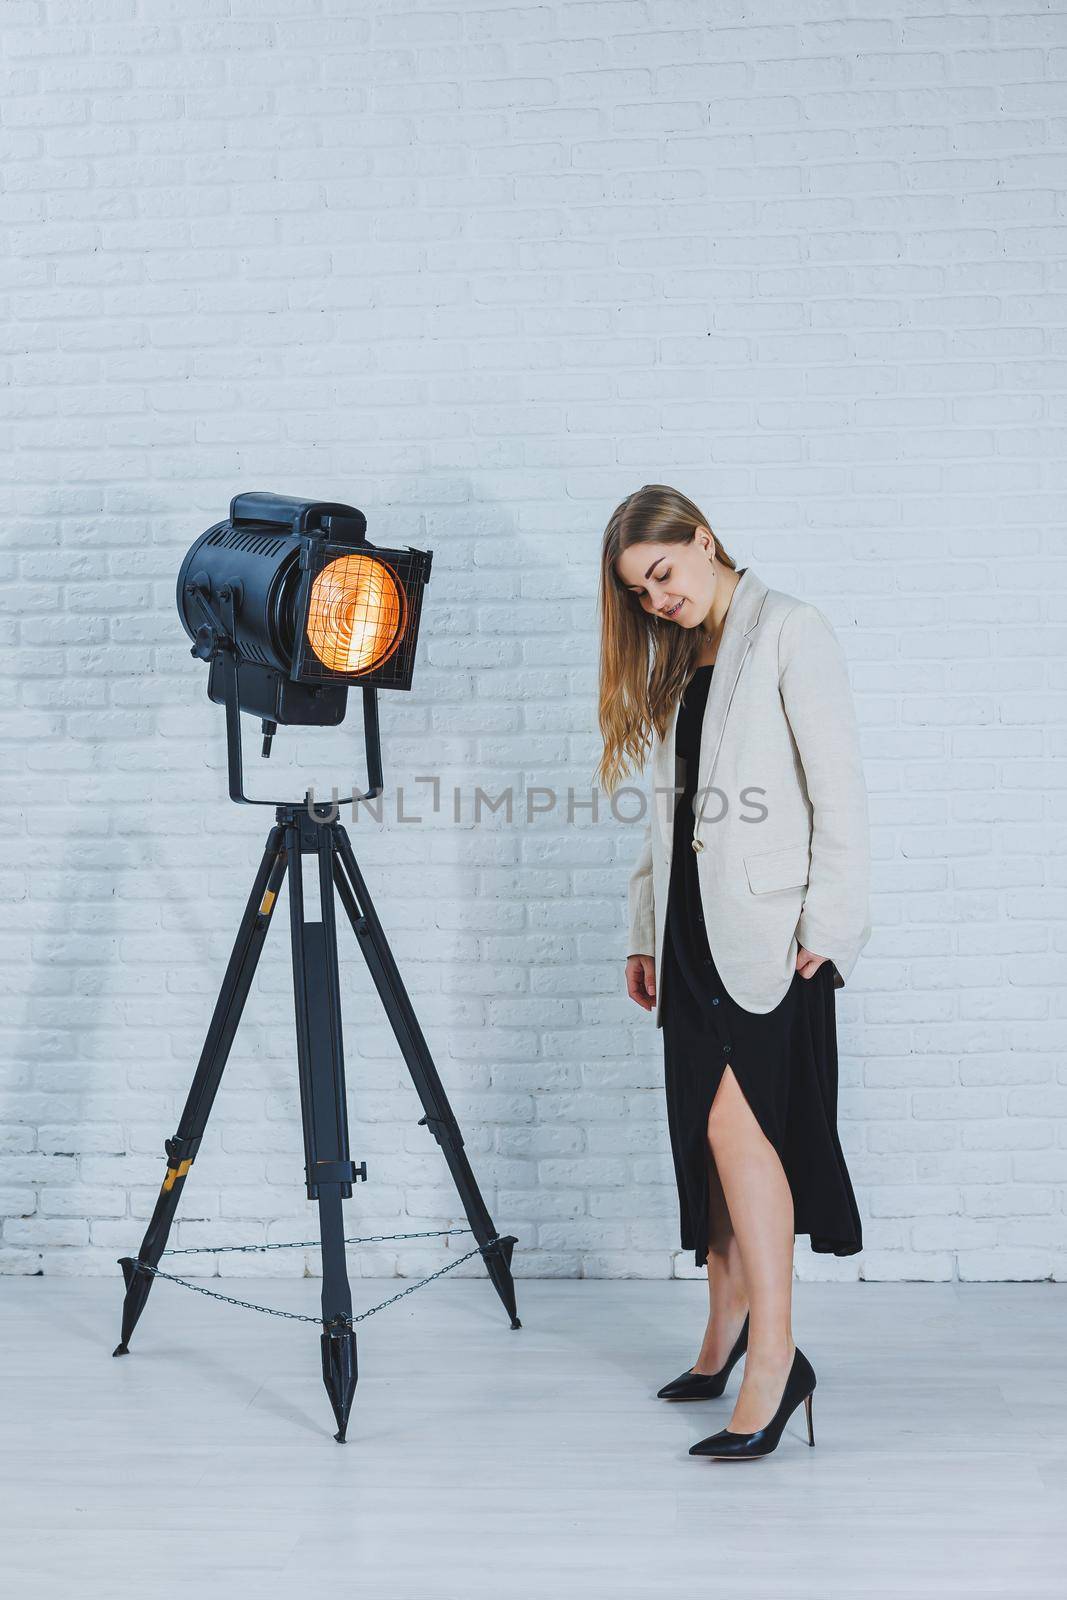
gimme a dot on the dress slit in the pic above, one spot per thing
(784, 1060)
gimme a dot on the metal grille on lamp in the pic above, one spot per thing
(356, 614)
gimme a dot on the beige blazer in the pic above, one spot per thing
(781, 831)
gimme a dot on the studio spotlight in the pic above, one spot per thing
(291, 606)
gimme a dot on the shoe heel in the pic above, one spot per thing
(807, 1413)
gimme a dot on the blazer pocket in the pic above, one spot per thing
(778, 869)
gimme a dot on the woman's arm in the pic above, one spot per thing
(642, 932)
(817, 696)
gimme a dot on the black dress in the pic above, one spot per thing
(785, 1060)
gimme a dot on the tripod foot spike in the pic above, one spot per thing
(138, 1283)
(339, 1371)
(497, 1257)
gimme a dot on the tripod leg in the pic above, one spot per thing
(329, 1169)
(182, 1149)
(439, 1116)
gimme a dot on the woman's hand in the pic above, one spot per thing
(641, 980)
(808, 963)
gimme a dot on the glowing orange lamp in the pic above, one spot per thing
(291, 606)
(356, 614)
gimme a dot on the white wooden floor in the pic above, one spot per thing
(526, 1465)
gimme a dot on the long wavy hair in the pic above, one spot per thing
(644, 663)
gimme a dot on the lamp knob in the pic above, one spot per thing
(205, 643)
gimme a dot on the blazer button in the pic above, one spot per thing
(714, 1002)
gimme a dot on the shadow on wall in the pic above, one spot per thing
(128, 944)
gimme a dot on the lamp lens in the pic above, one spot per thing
(356, 614)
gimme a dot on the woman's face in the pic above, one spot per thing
(673, 582)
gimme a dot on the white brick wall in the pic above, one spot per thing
(483, 269)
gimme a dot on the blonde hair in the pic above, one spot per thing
(644, 663)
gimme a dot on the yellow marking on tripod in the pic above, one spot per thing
(174, 1173)
(268, 900)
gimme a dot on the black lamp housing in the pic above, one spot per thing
(291, 605)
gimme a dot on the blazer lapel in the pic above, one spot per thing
(741, 620)
(736, 641)
(663, 764)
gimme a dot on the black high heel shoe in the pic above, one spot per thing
(727, 1446)
(706, 1385)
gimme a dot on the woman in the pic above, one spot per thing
(750, 902)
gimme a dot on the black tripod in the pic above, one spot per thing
(330, 1172)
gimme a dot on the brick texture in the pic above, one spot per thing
(482, 269)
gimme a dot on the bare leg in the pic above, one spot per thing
(761, 1208)
(727, 1293)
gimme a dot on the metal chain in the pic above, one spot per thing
(308, 1244)
(301, 1316)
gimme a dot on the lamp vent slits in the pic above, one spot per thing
(259, 544)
